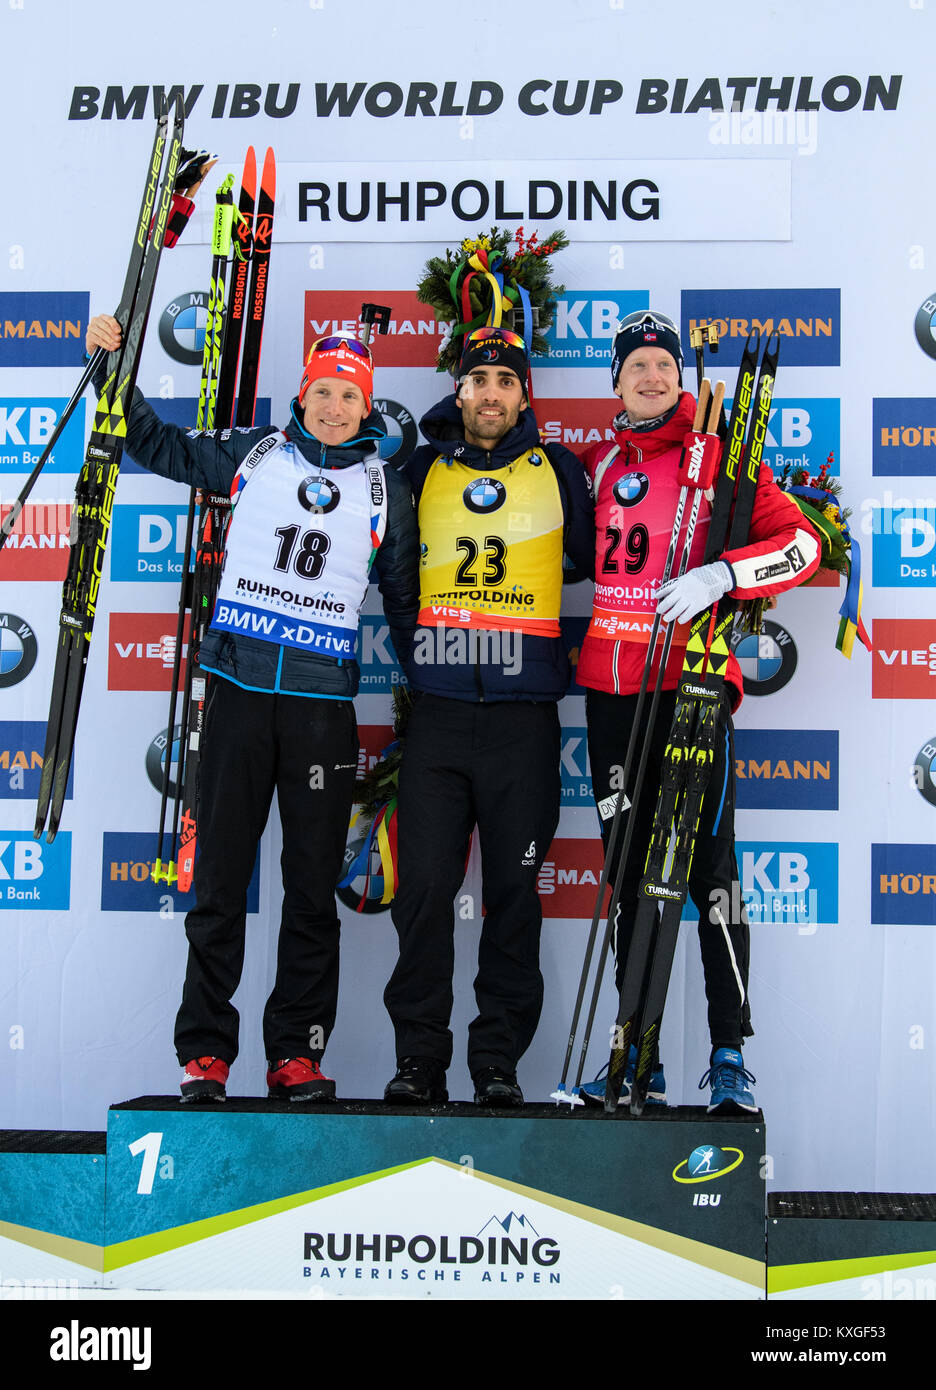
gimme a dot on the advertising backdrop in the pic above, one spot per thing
(744, 163)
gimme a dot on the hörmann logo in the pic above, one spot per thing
(808, 322)
(903, 439)
(40, 328)
(22, 744)
(788, 769)
(903, 885)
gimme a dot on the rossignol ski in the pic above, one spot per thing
(256, 298)
(236, 308)
(97, 481)
(698, 724)
(697, 465)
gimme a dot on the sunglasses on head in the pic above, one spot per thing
(330, 344)
(647, 318)
(503, 335)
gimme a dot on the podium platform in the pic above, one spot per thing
(365, 1200)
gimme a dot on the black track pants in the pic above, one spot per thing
(724, 935)
(304, 749)
(495, 766)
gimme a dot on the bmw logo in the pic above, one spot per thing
(182, 327)
(630, 489)
(18, 649)
(484, 495)
(159, 754)
(402, 435)
(924, 325)
(318, 494)
(767, 658)
(924, 772)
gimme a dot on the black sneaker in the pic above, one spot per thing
(495, 1086)
(418, 1081)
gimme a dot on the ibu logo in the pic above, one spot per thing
(34, 875)
(706, 1162)
(585, 322)
(574, 767)
(148, 543)
(904, 547)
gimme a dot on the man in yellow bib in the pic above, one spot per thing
(496, 511)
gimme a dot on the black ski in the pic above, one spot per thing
(698, 476)
(697, 725)
(97, 481)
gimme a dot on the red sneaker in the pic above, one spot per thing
(204, 1078)
(299, 1078)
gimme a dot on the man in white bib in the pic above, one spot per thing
(313, 510)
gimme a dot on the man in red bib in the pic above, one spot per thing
(636, 489)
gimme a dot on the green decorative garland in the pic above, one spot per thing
(479, 283)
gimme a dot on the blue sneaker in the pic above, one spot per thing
(729, 1083)
(593, 1092)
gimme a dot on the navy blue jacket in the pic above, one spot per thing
(540, 671)
(209, 459)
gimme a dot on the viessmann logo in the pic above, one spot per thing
(141, 651)
(37, 547)
(414, 337)
(903, 659)
(568, 880)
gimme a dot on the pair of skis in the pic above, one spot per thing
(241, 240)
(696, 728)
(97, 480)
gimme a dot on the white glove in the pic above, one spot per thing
(680, 600)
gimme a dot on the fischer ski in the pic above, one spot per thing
(696, 728)
(697, 466)
(97, 481)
